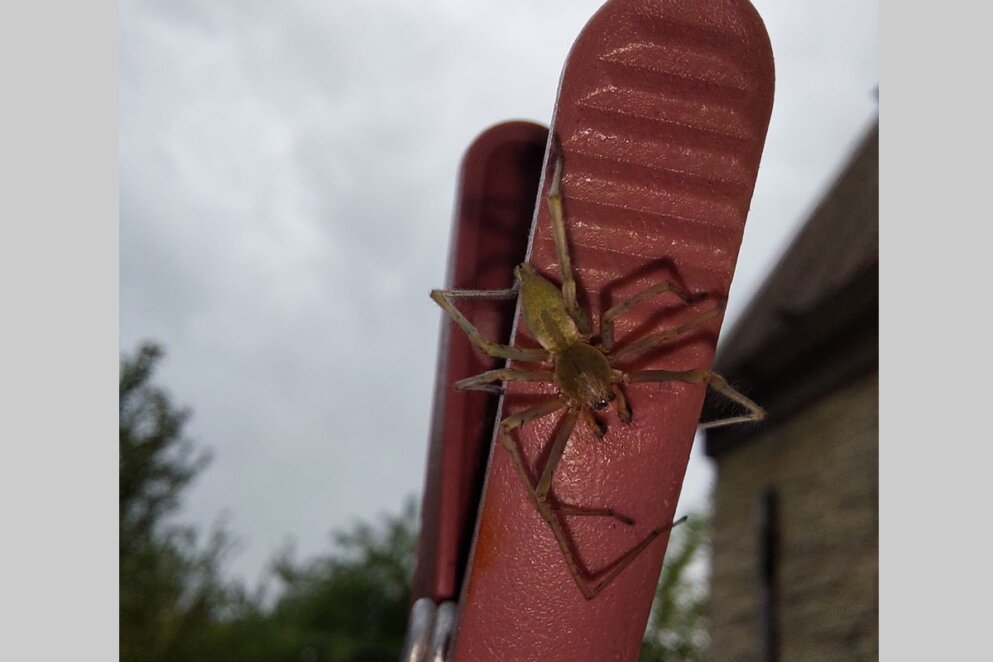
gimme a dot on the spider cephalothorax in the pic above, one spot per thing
(584, 374)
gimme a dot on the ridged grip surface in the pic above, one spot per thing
(662, 115)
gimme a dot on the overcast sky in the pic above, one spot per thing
(287, 175)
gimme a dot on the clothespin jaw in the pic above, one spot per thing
(645, 186)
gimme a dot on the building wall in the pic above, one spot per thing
(823, 465)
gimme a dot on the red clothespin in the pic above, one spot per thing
(658, 131)
(498, 183)
(494, 210)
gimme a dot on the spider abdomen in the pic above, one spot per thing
(544, 310)
(583, 375)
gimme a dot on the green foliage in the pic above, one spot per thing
(156, 461)
(352, 604)
(349, 605)
(676, 629)
(170, 591)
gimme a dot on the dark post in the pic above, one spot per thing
(769, 549)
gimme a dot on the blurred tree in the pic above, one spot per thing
(170, 589)
(676, 629)
(156, 461)
(352, 604)
(347, 606)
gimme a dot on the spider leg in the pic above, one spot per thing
(599, 429)
(552, 463)
(442, 298)
(508, 293)
(718, 383)
(593, 512)
(608, 575)
(555, 454)
(562, 250)
(607, 319)
(517, 420)
(547, 510)
(483, 381)
(621, 403)
(662, 337)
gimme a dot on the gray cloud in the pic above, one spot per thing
(287, 179)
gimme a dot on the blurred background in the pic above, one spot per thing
(287, 174)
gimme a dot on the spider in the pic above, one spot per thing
(584, 373)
